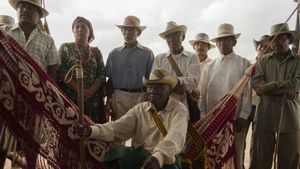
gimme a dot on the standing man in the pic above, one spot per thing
(125, 68)
(187, 63)
(36, 42)
(6, 20)
(262, 47)
(221, 75)
(277, 82)
(201, 45)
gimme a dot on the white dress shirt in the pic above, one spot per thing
(203, 65)
(188, 64)
(138, 124)
(219, 77)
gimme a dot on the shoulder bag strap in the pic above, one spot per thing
(174, 66)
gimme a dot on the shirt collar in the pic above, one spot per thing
(230, 55)
(15, 27)
(291, 54)
(169, 107)
(183, 53)
(138, 45)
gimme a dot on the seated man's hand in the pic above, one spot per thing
(151, 163)
(83, 130)
(240, 124)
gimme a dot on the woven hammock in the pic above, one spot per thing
(36, 118)
(215, 129)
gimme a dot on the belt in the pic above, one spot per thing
(133, 90)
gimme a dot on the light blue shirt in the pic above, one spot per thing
(127, 66)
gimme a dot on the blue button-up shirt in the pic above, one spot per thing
(127, 66)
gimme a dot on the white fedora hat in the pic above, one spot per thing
(6, 20)
(225, 30)
(161, 76)
(202, 37)
(171, 28)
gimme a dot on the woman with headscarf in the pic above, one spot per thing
(93, 69)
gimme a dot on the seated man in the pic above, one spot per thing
(150, 148)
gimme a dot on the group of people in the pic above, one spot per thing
(141, 87)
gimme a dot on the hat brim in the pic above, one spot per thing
(294, 34)
(180, 28)
(14, 4)
(237, 35)
(168, 80)
(211, 46)
(141, 28)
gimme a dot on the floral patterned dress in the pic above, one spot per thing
(92, 71)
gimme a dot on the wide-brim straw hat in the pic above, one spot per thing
(161, 76)
(262, 39)
(202, 37)
(6, 20)
(171, 28)
(283, 28)
(37, 3)
(226, 30)
(132, 21)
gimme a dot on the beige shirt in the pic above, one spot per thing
(138, 124)
(221, 75)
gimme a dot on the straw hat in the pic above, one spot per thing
(262, 39)
(283, 28)
(171, 28)
(37, 3)
(132, 21)
(161, 76)
(202, 37)
(225, 30)
(6, 20)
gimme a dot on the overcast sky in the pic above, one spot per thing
(251, 18)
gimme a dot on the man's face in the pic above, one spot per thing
(28, 13)
(174, 41)
(130, 34)
(226, 44)
(81, 31)
(201, 48)
(264, 47)
(158, 94)
(281, 43)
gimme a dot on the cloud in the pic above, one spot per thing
(251, 18)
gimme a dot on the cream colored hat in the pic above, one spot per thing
(132, 21)
(6, 20)
(283, 28)
(171, 28)
(225, 30)
(38, 3)
(161, 76)
(202, 37)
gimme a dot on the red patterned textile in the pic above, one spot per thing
(35, 114)
(216, 129)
